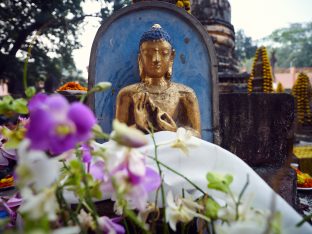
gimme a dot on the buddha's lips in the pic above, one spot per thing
(156, 66)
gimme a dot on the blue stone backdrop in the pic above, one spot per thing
(114, 59)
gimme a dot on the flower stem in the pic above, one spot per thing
(130, 214)
(240, 197)
(165, 227)
(63, 205)
(126, 226)
(89, 201)
(27, 58)
(179, 174)
(305, 219)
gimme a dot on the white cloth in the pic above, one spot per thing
(208, 157)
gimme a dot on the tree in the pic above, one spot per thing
(244, 47)
(56, 23)
(293, 45)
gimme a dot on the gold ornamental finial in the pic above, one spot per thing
(155, 26)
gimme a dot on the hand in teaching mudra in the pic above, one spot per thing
(147, 114)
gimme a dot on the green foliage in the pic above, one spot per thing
(14, 137)
(244, 47)
(30, 91)
(293, 45)
(10, 106)
(58, 23)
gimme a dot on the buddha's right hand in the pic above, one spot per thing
(140, 112)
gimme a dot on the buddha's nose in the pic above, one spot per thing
(156, 57)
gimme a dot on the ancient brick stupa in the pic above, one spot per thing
(261, 75)
(215, 15)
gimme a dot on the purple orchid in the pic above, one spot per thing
(57, 126)
(131, 175)
(138, 195)
(97, 170)
(86, 153)
(10, 205)
(110, 225)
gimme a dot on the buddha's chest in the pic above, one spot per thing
(166, 101)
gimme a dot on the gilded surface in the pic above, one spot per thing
(156, 102)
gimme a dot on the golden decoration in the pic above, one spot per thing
(260, 79)
(280, 88)
(186, 4)
(302, 92)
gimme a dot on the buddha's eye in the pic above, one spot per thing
(165, 52)
(146, 52)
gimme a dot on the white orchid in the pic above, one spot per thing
(127, 136)
(101, 86)
(185, 140)
(67, 230)
(181, 210)
(256, 222)
(39, 205)
(116, 156)
(85, 219)
(35, 168)
(248, 219)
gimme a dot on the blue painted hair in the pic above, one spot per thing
(155, 33)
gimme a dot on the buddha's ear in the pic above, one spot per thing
(169, 72)
(141, 72)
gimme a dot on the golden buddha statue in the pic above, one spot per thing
(156, 102)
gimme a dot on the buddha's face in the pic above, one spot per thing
(156, 58)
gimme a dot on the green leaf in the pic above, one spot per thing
(7, 99)
(219, 182)
(4, 108)
(20, 106)
(75, 165)
(96, 191)
(30, 91)
(14, 137)
(12, 143)
(212, 208)
(5, 105)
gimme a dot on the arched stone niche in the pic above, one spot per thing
(114, 59)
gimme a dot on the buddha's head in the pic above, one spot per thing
(156, 54)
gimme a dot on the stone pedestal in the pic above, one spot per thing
(258, 128)
(233, 83)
